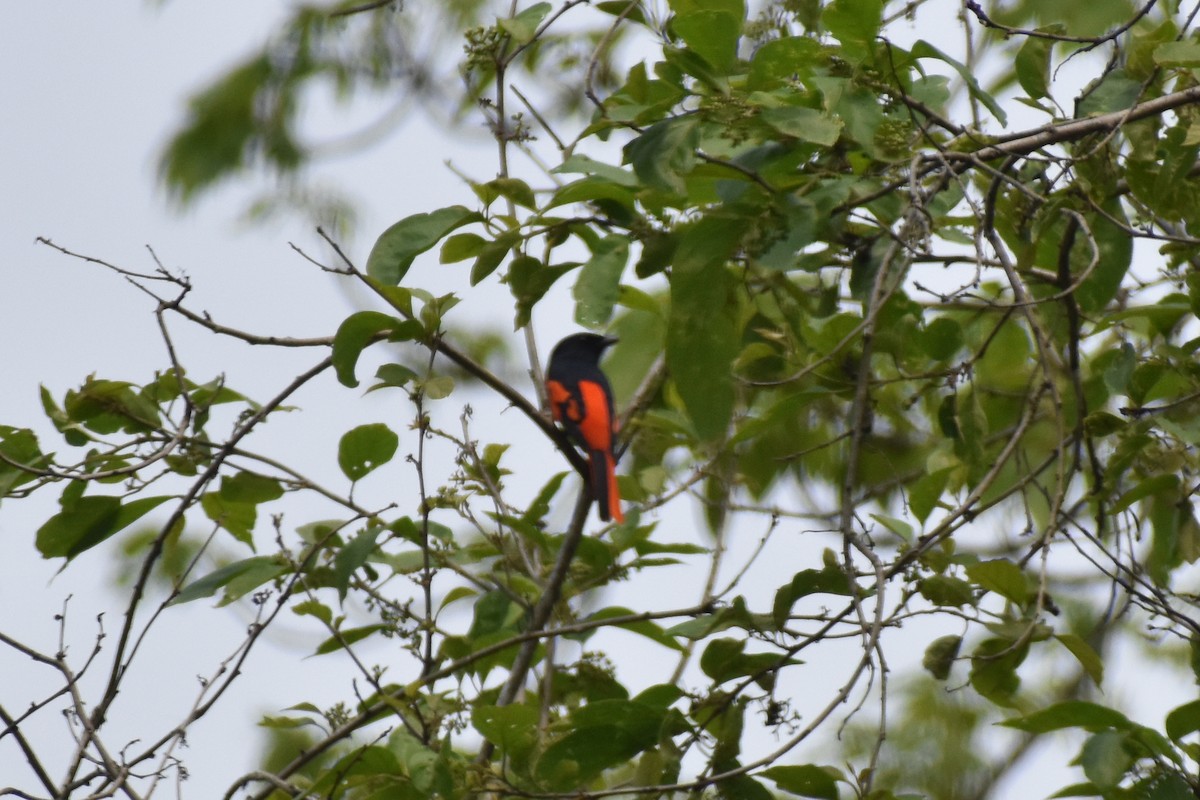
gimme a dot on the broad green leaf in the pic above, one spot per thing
(529, 280)
(513, 189)
(780, 60)
(994, 670)
(1184, 720)
(513, 728)
(1032, 62)
(829, 580)
(896, 526)
(396, 376)
(807, 780)
(924, 495)
(460, 247)
(439, 387)
(805, 124)
(598, 286)
(524, 25)
(246, 487)
(940, 655)
(665, 153)
(235, 517)
(1071, 714)
(1002, 577)
(1087, 657)
(581, 164)
(712, 34)
(352, 556)
(396, 248)
(365, 448)
(360, 329)
(1115, 255)
(601, 735)
(494, 611)
(854, 23)
(490, 257)
(650, 630)
(725, 660)
(946, 590)
(1177, 54)
(702, 335)
(236, 578)
(1155, 485)
(314, 608)
(1105, 759)
(86, 523)
(923, 49)
(941, 338)
(344, 638)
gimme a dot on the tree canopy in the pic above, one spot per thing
(907, 303)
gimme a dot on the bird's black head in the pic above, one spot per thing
(582, 347)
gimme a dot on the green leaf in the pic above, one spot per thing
(665, 153)
(314, 608)
(1002, 577)
(85, 523)
(352, 556)
(646, 628)
(512, 728)
(854, 23)
(460, 247)
(598, 286)
(940, 655)
(360, 329)
(529, 280)
(1071, 714)
(581, 164)
(702, 335)
(237, 518)
(1032, 62)
(601, 735)
(345, 638)
(1177, 54)
(724, 660)
(490, 257)
(941, 338)
(513, 189)
(924, 495)
(946, 590)
(1184, 720)
(805, 124)
(246, 487)
(237, 578)
(923, 49)
(1105, 759)
(712, 34)
(830, 580)
(396, 376)
(1155, 485)
(365, 448)
(524, 25)
(777, 61)
(1115, 255)
(994, 669)
(438, 387)
(396, 248)
(1087, 657)
(807, 780)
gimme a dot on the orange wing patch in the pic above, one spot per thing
(596, 425)
(562, 402)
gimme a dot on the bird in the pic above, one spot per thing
(581, 401)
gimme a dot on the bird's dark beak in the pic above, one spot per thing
(609, 341)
